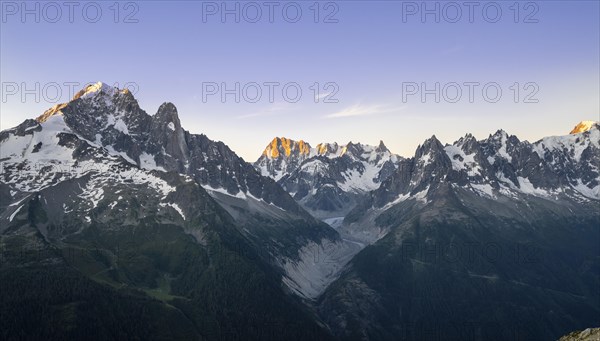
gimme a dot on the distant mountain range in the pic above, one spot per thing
(329, 179)
(108, 213)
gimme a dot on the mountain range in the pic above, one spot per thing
(120, 213)
(492, 239)
(327, 180)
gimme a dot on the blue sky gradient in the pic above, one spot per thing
(369, 53)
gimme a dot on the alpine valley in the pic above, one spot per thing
(117, 224)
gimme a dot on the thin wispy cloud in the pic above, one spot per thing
(358, 110)
(321, 96)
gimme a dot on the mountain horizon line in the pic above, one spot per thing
(582, 126)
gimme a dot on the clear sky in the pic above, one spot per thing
(374, 52)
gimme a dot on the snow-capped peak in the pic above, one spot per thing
(583, 126)
(96, 88)
(431, 146)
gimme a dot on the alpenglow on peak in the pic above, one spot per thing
(281, 146)
(583, 126)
